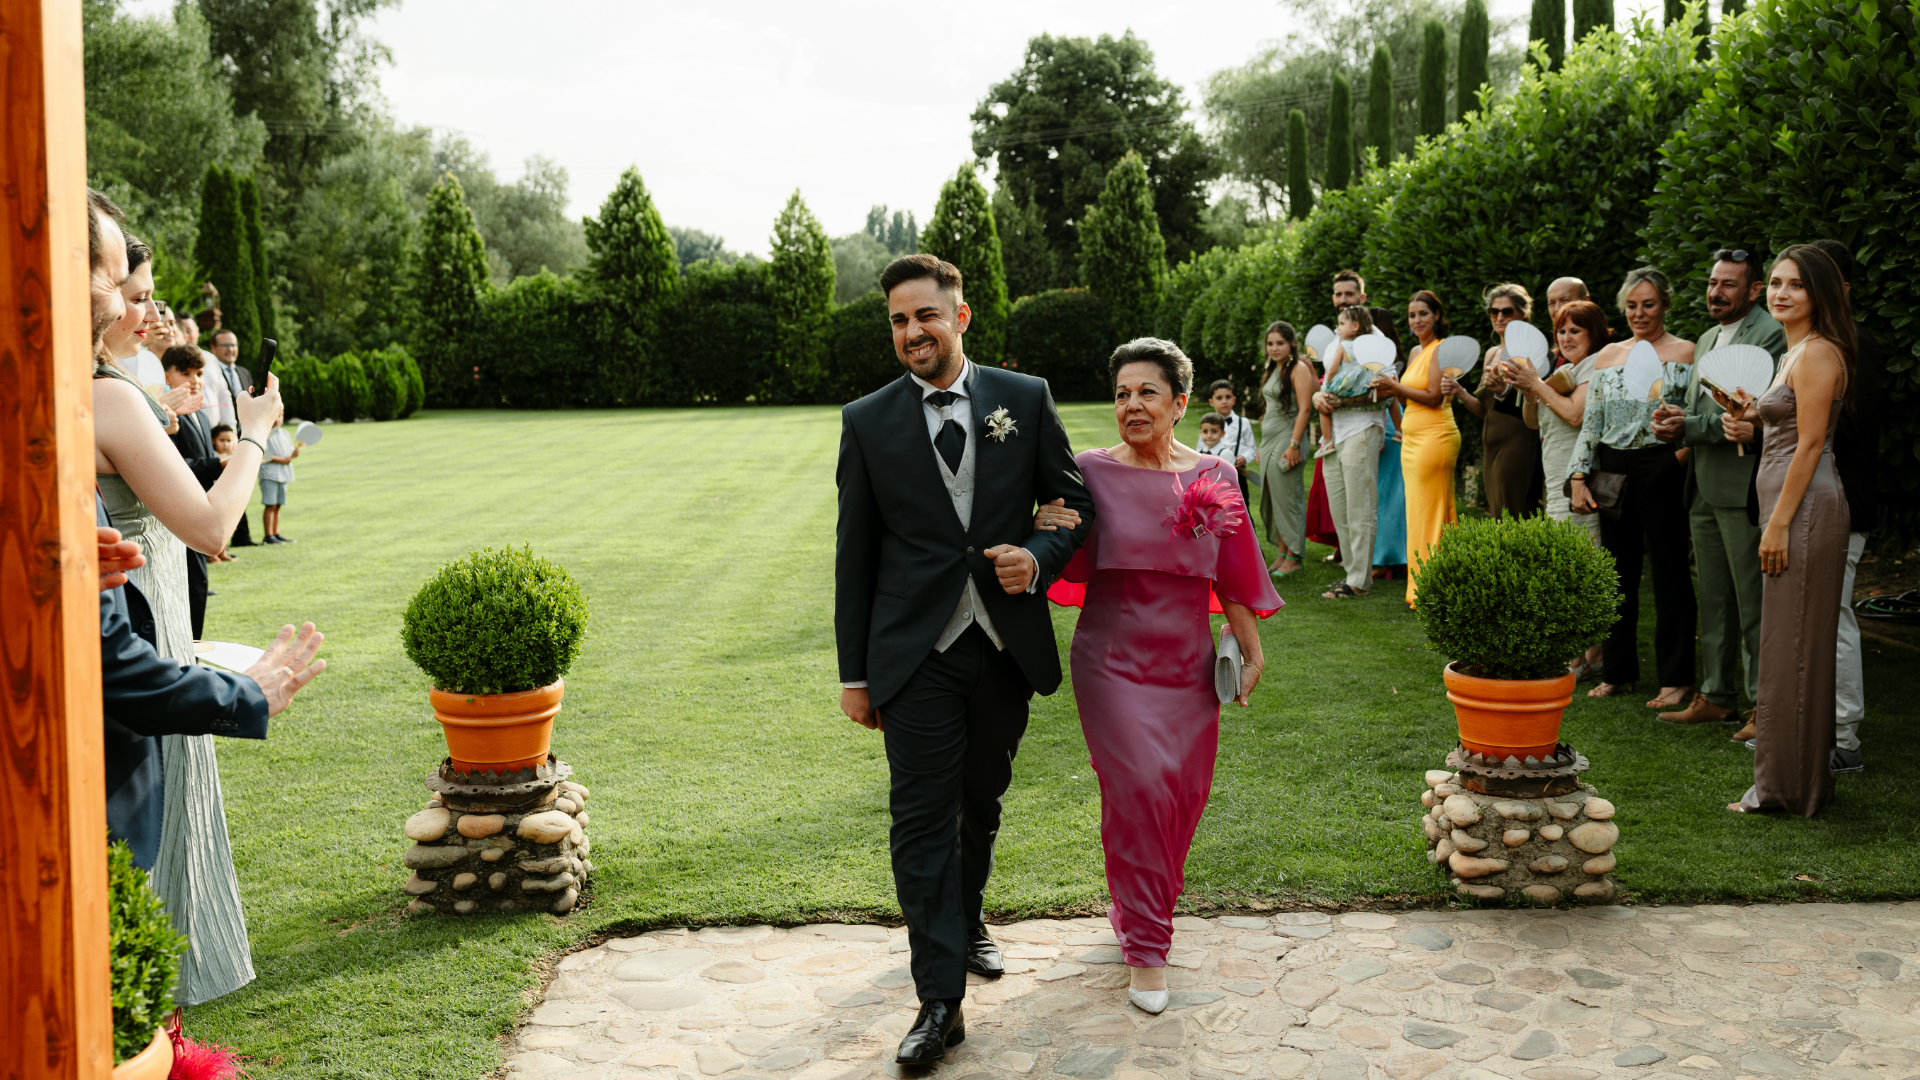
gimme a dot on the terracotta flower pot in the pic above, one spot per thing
(153, 1063)
(1509, 717)
(498, 732)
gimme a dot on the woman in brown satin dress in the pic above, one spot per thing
(1803, 548)
(1510, 450)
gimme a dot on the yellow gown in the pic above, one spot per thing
(1429, 446)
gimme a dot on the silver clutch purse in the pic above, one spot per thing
(1226, 666)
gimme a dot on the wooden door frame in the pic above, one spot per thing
(54, 986)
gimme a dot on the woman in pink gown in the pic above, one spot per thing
(1172, 542)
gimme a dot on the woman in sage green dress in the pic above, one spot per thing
(1287, 382)
(154, 500)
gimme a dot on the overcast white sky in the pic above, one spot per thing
(728, 107)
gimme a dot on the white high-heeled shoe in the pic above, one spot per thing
(1149, 1001)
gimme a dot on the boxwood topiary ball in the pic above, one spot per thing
(496, 622)
(1516, 598)
(146, 954)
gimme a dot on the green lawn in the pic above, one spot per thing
(728, 788)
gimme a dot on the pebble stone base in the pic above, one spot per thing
(469, 856)
(1542, 851)
(1777, 992)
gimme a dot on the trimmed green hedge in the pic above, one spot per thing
(1064, 337)
(718, 342)
(496, 622)
(539, 345)
(145, 951)
(860, 355)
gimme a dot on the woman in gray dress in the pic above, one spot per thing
(1287, 382)
(155, 501)
(1803, 547)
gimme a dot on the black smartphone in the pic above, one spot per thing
(264, 368)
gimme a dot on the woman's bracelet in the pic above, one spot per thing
(256, 442)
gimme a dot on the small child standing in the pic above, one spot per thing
(1213, 432)
(275, 474)
(223, 442)
(1239, 445)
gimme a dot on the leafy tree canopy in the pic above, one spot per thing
(1076, 106)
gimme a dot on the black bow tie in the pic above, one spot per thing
(950, 441)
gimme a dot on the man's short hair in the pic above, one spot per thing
(1748, 259)
(98, 204)
(229, 333)
(1353, 276)
(182, 358)
(921, 265)
(1219, 385)
(1214, 419)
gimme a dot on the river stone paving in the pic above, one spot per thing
(1799, 992)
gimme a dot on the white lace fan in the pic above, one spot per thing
(1318, 338)
(1737, 367)
(1457, 355)
(1524, 341)
(1640, 376)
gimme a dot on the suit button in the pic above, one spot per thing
(969, 551)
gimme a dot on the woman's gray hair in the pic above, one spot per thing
(1650, 276)
(1157, 351)
(1514, 292)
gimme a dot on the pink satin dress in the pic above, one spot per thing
(1163, 550)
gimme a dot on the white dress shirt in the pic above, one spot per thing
(213, 380)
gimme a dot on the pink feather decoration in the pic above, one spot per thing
(1206, 508)
(204, 1061)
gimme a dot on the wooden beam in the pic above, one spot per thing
(53, 883)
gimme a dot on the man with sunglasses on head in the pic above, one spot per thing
(1726, 546)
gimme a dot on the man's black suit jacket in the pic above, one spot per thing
(195, 443)
(902, 558)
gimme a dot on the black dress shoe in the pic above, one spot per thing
(938, 1027)
(983, 954)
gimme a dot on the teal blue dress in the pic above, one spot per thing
(1390, 534)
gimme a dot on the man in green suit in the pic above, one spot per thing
(1725, 545)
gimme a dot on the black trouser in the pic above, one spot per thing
(242, 533)
(1653, 525)
(197, 590)
(951, 735)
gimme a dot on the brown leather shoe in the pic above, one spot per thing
(1700, 711)
(1747, 732)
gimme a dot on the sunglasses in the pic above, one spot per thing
(1733, 255)
(1503, 313)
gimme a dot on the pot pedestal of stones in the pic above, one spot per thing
(1496, 847)
(487, 842)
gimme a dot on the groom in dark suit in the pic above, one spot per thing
(940, 612)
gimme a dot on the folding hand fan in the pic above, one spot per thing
(1457, 355)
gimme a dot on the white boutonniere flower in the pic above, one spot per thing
(1000, 425)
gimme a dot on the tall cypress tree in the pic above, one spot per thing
(1589, 15)
(1380, 105)
(963, 232)
(1340, 134)
(800, 285)
(632, 261)
(257, 251)
(1123, 257)
(1471, 73)
(1548, 23)
(222, 251)
(1299, 182)
(448, 287)
(1433, 77)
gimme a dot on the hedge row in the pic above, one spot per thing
(382, 385)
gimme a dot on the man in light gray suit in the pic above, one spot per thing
(1726, 547)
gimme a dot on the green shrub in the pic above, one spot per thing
(496, 622)
(1236, 311)
(146, 954)
(860, 356)
(1809, 129)
(388, 381)
(1515, 598)
(416, 383)
(352, 392)
(304, 389)
(1332, 239)
(1063, 336)
(718, 342)
(541, 348)
(1186, 284)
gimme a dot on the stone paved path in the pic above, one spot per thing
(1825, 992)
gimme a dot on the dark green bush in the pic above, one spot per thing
(389, 383)
(145, 950)
(496, 622)
(860, 356)
(1063, 336)
(1810, 129)
(1515, 598)
(718, 343)
(416, 383)
(539, 345)
(304, 389)
(352, 392)
(1331, 240)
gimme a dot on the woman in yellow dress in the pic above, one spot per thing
(1429, 439)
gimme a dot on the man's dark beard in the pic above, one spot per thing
(945, 362)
